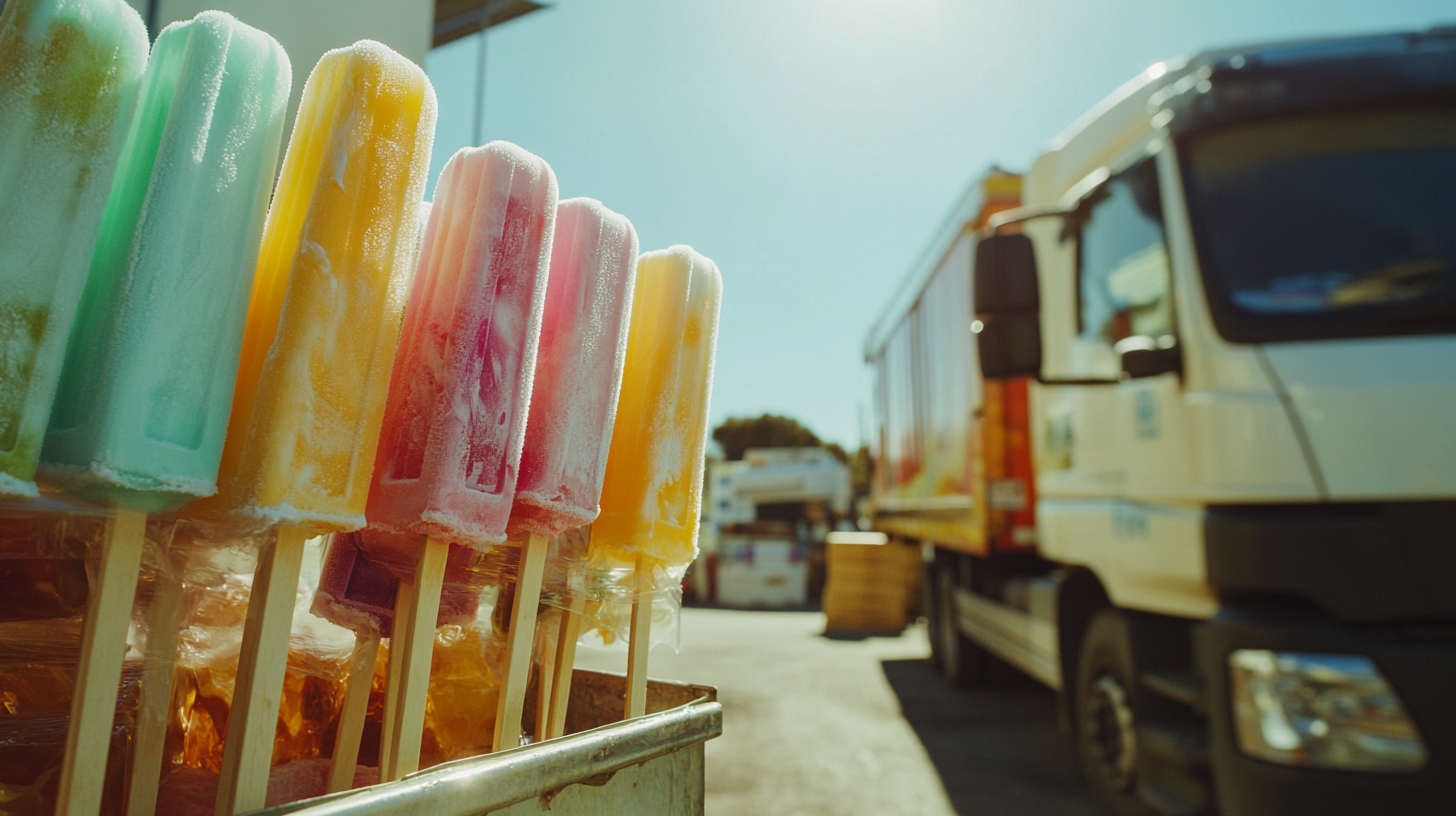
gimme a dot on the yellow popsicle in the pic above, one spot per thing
(334, 272)
(653, 490)
(338, 255)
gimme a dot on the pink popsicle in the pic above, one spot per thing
(578, 370)
(357, 592)
(455, 417)
(573, 407)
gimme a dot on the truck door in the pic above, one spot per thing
(1125, 300)
(1144, 537)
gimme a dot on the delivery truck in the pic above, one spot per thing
(1172, 418)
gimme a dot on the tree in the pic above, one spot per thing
(767, 431)
(860, 466)
(861, 470)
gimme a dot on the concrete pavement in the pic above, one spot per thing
(815, 725)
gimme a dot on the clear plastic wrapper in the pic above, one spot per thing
(606, 585)
(608, 588)
(467, 571)
(215, 572)
(193, 791)
(464, 688)
(43, 563)
(213, 567)
(47, 548)
(30, 763)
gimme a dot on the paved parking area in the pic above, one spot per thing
(816, 726)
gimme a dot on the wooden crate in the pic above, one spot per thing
(869, 585)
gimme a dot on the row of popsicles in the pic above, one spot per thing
(204, 333)
(171, 342)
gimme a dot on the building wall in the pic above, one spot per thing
(308, 28)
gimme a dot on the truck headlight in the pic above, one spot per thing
(1321, 711)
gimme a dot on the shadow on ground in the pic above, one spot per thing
(998, 750)
(854, 636)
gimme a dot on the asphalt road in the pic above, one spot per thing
(816, 725)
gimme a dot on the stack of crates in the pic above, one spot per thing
(872, 583)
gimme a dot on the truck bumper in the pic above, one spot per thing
(1418, 661)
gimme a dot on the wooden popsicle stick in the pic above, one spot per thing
(637, 649)
(356, 709)
(566, 639)
(160, 658)
(545, 677)
(519, 640)
(404, 600)
(418, 649)
(248, 751)
(103, 646)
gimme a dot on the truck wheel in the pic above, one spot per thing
(963, 661)
(1106, 719)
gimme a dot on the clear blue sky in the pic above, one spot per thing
(810, 147)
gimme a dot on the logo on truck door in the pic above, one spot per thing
(1128, 521)
(1145, 415)
(1058, 451)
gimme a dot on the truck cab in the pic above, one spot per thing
(1230, 290)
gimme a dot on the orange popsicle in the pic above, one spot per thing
(337, 259)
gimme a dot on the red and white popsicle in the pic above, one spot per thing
(455, 416)
(573, 407)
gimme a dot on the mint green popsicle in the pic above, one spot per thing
(147, 385)
(68, 72)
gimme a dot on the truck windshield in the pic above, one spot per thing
(1328, 225)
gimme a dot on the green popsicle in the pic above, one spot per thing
(68, 72)
(147, 386)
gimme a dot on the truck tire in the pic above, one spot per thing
(963, 661)
(1105, 714)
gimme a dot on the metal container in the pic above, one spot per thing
(602, 767)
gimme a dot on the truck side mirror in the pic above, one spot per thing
(1149, 357)
(1007, 304)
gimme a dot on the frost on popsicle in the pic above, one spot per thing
(336, 261)
(217, 594)
(455, 418)
(43, 596)
(68, 70)
(143, 404)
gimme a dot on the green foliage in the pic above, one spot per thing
(861, 468)
(767, 431)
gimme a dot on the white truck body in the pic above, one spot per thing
(1243, 427)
